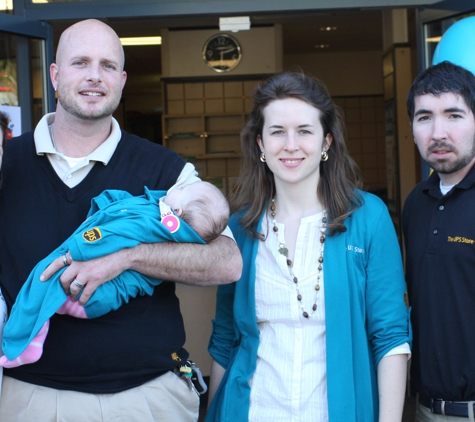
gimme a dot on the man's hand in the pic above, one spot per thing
(218, 262)
(85, 276)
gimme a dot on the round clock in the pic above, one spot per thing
(222, 53)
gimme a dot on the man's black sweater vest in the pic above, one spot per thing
(124, 348)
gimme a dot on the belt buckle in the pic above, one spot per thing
(435, 410)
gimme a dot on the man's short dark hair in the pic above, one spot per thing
(443, 78)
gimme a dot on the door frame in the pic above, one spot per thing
(438, 11)
(26, 29)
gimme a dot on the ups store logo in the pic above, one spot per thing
(92, 235)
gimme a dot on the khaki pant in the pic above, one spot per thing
(165, 399)
(423, 414)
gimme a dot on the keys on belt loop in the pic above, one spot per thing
(186, 374)
(191, 374)
(198, 377)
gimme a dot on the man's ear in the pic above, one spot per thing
(124, 78)
(178, 211)
(53, 74)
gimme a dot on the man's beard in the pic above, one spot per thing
(445, 166)
(72, 107)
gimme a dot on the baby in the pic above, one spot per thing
(195, 213)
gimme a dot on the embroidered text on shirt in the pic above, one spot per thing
(355, 249)
(460, 239)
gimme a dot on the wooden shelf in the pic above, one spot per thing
(225, 133)
(219, 155)
(202, 121)
(179, 116)
(183, 135)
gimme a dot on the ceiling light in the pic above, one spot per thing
(6, 5)
(141, 41)
(328, 28)
(434, 39)
(322, 46)
(240, 23)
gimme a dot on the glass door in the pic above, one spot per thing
(433, 32)
(26, 50)
(433, 21)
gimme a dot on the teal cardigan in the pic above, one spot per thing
(366, 317)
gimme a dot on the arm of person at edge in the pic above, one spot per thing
(218, 262)
(216, 375)
(392, 374)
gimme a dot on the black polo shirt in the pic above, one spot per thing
(439, 236)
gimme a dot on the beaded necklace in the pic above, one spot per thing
(285, 252)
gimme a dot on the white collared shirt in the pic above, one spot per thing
(289, 384)
(72, 171)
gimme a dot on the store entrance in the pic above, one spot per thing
(25, 51)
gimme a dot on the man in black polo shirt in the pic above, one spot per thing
(439, 231)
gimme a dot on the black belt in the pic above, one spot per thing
(442, 407)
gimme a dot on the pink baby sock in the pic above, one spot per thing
(72, 308)
(32, 352)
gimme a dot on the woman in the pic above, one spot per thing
(316, 329)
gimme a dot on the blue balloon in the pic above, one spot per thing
(458, 45)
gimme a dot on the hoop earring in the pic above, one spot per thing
(262, 157)
(324, 155)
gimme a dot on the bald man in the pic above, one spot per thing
(87, 372)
